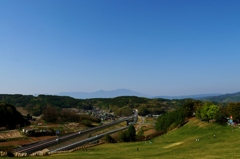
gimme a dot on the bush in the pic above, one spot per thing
(109, 139)
(128, 135)
(123, 136)
(86, 122)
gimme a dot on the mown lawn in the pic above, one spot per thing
(180, 143)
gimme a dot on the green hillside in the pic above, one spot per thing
(225, 98)
(180, 143)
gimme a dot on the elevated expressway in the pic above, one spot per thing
(50, 142)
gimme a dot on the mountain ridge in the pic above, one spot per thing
(103, 94)
(127, 92)
(225, 98)
(196, 96)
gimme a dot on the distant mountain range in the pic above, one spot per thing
(197, 96)
(126, 92)
(103, 94)
(222, 98)
(233, 97)
(225, 98)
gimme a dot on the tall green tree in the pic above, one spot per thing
(131, 132)
(213, 111)
(204, 110)
(234, 110)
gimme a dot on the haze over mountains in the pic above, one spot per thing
(127, 92)
(103, 94)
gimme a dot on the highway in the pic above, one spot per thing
(82, 142)
(46, 143)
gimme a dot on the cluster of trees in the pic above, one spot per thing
(121, 105)
(56, 115)
(36, 105)
(219, 112)
(233, 109)
(123, 136)
(10, 117)
(175, 118)
(170, 120)
(128, 135)
(124, 111)
(206, 111)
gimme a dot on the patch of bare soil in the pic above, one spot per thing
(25, 141)
(10, 134)
(15, 143)
(36, 139)
(22, 110)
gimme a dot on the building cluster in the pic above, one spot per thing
(97, 113)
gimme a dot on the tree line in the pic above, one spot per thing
(56, 115)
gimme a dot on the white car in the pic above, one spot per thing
(79, 132)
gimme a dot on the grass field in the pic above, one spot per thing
(180, 143)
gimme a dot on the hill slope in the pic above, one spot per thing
(232, 97)
(180, 143)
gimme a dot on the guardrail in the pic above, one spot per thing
(82, 142)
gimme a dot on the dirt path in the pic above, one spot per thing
(141, 120)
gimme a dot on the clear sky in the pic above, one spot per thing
(156, 47)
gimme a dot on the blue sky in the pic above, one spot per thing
(153, 47)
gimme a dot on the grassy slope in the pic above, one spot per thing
(179, 143)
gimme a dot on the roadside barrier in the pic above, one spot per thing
(77, 148)
(46, 151)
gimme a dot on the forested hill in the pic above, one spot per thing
(226, 98)
(10, 117)
(35, 105)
